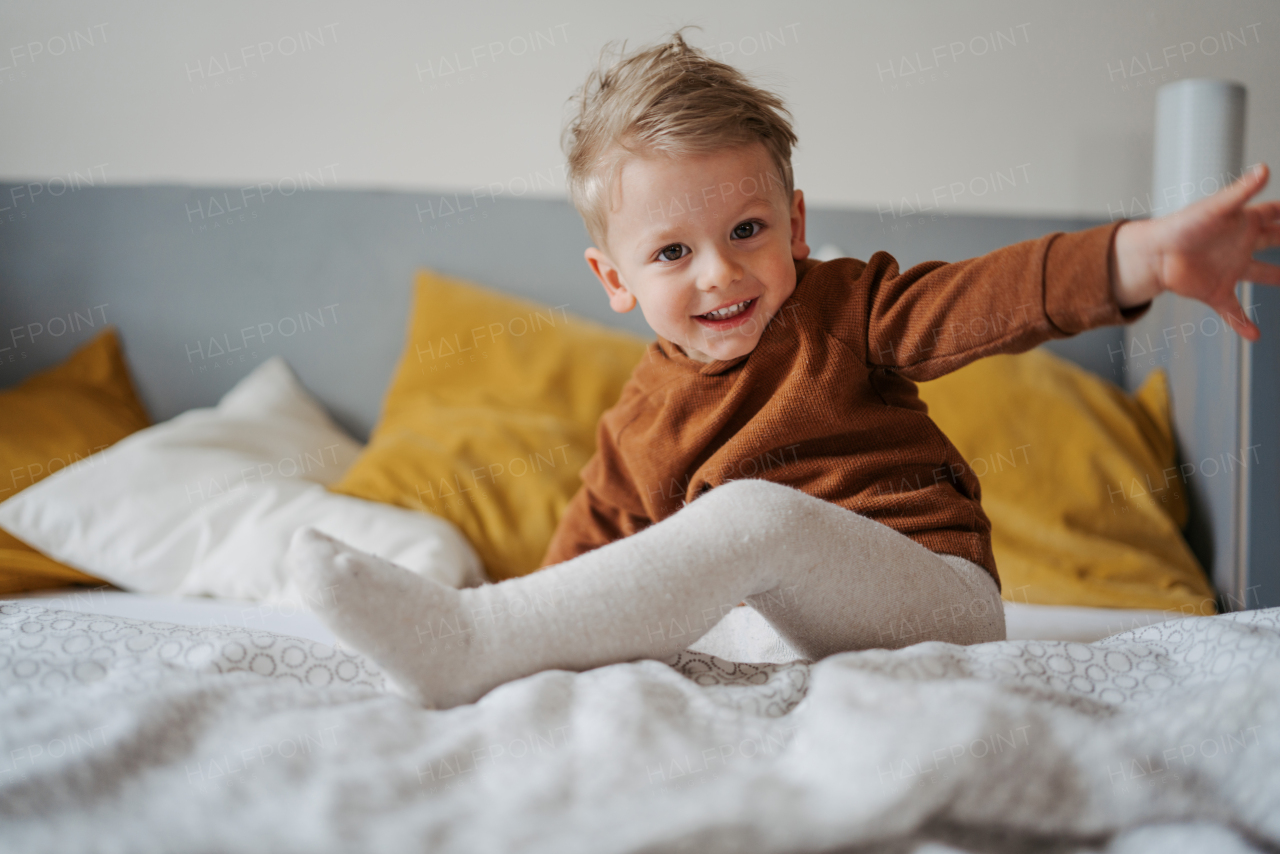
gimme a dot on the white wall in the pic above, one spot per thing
(1059, 109)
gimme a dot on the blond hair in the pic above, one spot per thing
(671, 99)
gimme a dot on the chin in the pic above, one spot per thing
(721, 354)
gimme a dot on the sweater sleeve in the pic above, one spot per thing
(938, 317)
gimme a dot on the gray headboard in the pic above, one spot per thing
(323, 278)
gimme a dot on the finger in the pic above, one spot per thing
(1230, 310)
(1265, 219)
(1265, 214)
(1266, 238)
(1262, 272)
(1244, 188)
(1267, 227)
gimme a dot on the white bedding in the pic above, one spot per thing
(128, 735)
(742, 636)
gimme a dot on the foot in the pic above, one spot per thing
(414, 628)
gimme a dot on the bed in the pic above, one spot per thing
(740, 636)
(129, 734)
(135, 721)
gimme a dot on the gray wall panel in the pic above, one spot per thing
(172, 275)
(154, 262)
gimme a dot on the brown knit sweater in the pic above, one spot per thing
(826, 402)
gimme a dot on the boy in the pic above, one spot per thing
(748, 456)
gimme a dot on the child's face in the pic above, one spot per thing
(698, 234)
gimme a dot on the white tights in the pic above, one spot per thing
(826, 578)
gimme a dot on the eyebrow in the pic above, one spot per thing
(652, 238)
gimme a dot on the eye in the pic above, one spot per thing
(747, 229)
(678, 248)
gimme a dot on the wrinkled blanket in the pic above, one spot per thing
(125, 735)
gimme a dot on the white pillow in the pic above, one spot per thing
(207, 502)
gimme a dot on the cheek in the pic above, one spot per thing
(677, 309)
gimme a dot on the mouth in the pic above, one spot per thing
(729, 316)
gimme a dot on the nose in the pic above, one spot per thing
(719, 270)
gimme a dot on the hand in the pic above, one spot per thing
(1201, 251)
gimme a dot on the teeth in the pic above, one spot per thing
(723, 313)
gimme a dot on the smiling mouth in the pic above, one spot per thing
(728, 311)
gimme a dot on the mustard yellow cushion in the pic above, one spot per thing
(57, 418)
(490, 416)
(1079, 481)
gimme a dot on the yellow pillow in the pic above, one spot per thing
(54, 419)
(490, 415)
(1079, 480)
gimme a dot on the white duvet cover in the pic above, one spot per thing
(743, 635)
(128, 735)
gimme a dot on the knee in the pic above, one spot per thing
(754, 489)
(755, 512)
(774, 507)
(757, 505)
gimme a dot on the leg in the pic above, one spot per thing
(828, 579)
(906, 598)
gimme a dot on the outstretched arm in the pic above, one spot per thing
(1201, 251)
(937, 317)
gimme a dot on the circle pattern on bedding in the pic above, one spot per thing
(36, 643)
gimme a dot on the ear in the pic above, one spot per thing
(621, 300)
(799, 249)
